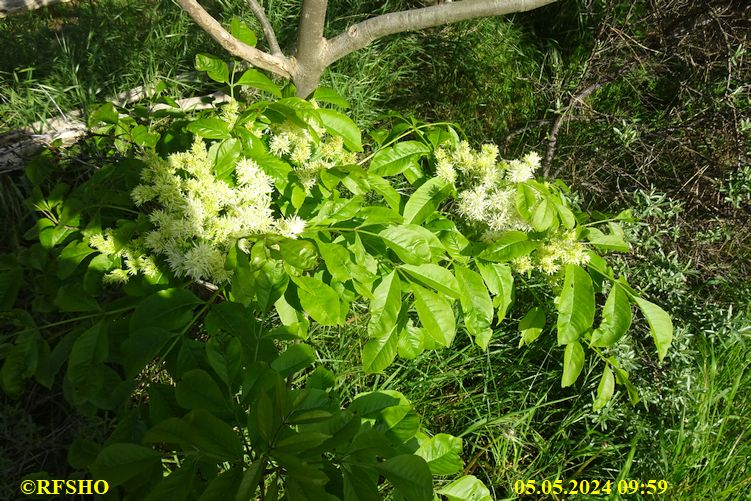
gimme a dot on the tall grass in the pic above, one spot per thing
(72, 55)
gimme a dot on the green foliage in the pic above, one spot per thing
(198, 291)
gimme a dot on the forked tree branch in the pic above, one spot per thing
(275, 64)
(314, 53)
(268, 30)
(361, 34)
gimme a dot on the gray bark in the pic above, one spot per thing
(311, 46)
(362, 34)
(268, 31)
(314, 53)
(275, 64)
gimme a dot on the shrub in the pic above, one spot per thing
(198, 259)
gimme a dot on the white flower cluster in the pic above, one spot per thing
(561, 249)
(487, 197)
(307, 155)
(198, 217)
(486, 185)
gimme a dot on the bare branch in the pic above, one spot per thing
(275, 64)
(360, 35)
(268, 30)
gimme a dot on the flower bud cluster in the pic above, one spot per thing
(560, 249)
(308, 152)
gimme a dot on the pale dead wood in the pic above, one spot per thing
(18, 147)
(8, 7)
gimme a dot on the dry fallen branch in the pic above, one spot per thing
(18, 147)
(8, 7)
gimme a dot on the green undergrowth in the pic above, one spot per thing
(505, 80)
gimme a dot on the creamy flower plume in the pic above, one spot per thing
(197, 218)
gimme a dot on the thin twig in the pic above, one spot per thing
(575, 101)
(268, 30)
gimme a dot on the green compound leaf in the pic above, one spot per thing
(576, 305)
(413, 341)
(434, 276)
(573, 363)
(256, 79)
(21, 361)
(339, 124)
(567, 217)
(615, 241)
(141, 346)
(224, 155)
(616, 318)
(605, 389)
(621, 377)
(411, 243)
(177, 485)
(500, 282)
(383, 327)
(525, 200)
(660, 325)
(320, 301)
(242, 32)
(213, 436)
(210, 128)
(71, 257)
(224, 486)
(531, 325)
(295, 358)
(436, 315)
(88, 353)
(328, 95)
(398, 158)
(73, 297)
(476, 305)
(442, 453)
(337, 259)
(544, 216)
(424, 201)
(410, 475)
(466, 488)
(106, 113)
(509, 245)
(214, 67)
(198, 390)
(169, 309)
(298, 253)
(118, 463)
